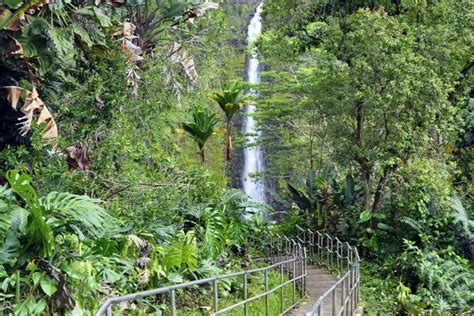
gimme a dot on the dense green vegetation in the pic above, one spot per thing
(374, 98)
(117, 128)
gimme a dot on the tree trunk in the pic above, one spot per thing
(380, 187)
(311, 140)
(365, 166)
(203, 158)
(366, 182)
(229, 142)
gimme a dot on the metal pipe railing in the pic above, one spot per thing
(289, 258)
(284, 255)
(343, 297)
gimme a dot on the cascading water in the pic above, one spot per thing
(253, 156)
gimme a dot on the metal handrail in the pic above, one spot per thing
(290, 257)
(277, 249)
(343, 296)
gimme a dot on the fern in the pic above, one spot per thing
(451, 283)
(460, 216)
(411, 222)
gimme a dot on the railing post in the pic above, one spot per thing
(358, 283)
(342, 296)
(328, 252)
(246, 305)
(318, 248)
(332, 253)
(294, 282)
(347, 294)
(282, 297)
(266, 293)
(321, 246)
(109, 310)
(348, 257)
(304, 270)
(216, 296)
(351, 280)
(352, 289)
(334, 302)
(173, 302)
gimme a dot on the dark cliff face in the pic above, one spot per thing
(9, 129)
(241, 11)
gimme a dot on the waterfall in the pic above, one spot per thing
(253, 156)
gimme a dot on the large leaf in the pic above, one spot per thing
(48, 285)
(34, 110)
(172, 9)
(63, 45)
(365, 216)
(80, 32)
(9, 249)
(38, 231)
(68, 208)
(214, 237)
(182, 253)
(299, 198)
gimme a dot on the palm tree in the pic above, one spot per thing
(230, 101)
(200, 126)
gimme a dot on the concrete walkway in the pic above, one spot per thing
(318, 280)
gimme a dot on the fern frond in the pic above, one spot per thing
(411, 222)
(460, 215)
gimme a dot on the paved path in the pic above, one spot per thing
(318, 280)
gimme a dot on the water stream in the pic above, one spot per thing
(253, 156)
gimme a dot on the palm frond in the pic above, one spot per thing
(230, 101)
(200, 126)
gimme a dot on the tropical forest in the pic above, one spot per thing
(236, 157)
